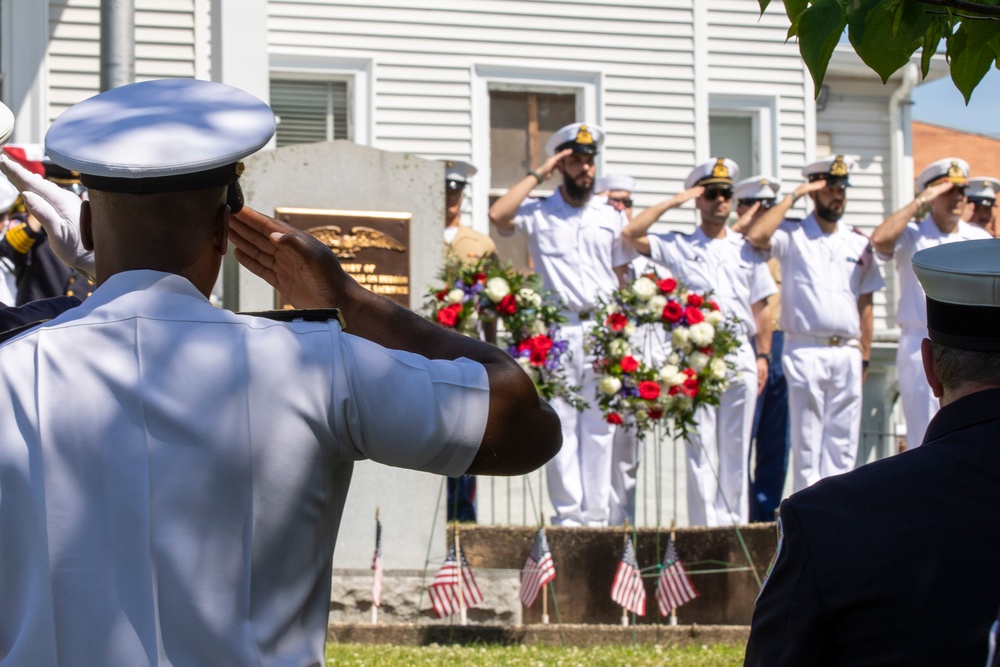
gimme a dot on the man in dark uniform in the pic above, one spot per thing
(892, 563)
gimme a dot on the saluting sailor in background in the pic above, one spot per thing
(715, 258)
(981, 193)
(829, 274)
(754, 196)
(942, 188)
(463, 243)
(575, 243)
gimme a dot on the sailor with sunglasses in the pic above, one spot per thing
(942, 194)
(829, 276)
(715, 259)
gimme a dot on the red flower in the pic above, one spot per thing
(507, 305)
(614, 418)
(649, 390)
(673, 391)
(629, 364)
(539, 346)
(443, 294)
(706, 350)
(713, 305)
(479, 278)
(654, 413)
(672, 312)
(616, 321)
(694, 315)
(690, 387)
(448, 316)
(695, 300)
(667, 285)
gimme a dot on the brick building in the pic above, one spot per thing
(933, 142)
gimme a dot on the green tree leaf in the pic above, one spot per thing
(932, 40)
(968, 66)
(822, 24)
(885, 33)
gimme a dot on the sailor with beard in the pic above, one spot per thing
(829, 277)
(576, 245)
(942, 191)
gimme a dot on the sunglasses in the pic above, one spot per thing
(624, 201)
(764, 203)
(714, 193)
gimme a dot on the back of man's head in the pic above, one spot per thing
(962, 284)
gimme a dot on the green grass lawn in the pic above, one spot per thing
(356, 655)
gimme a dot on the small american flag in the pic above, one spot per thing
(443, 590)
(377, 566)
(538, 569)
(674, 587)
(627, 588)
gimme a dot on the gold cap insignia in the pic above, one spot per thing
(839, 167)
(240, 168)
(955, 173)
(720, 170)
(449, 164)
(583, 136)
(763, 181)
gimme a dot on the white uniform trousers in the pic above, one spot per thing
(625, 458)
(579, 477)
(919, 402)
(718, 450)
(824, 405)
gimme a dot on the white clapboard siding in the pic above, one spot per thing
(166, 45)
(425, 54)
(747, 54)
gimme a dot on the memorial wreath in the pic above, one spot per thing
(694, 338)
(528, 317)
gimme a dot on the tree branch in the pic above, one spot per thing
(966, 5)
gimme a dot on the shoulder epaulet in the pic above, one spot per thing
(795, 220)
(304, 314)
(17, 331)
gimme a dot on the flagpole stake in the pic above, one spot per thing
(463, 619)
(374, 615)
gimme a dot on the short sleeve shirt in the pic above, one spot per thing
(912, 309)
(575, 249)
(734, 271)
(179, 491)
(822, 277)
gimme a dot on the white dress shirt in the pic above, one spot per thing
(172, 475)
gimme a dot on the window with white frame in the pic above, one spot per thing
(311, 110)
(521, 122)
(734, 137)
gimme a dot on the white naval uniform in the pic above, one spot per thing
(822, 277)
(575, 251)
(173, 497)
(919, 403)
(718, 451)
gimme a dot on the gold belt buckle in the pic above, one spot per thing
(834, 340)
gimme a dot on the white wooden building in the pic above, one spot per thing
(673, 82)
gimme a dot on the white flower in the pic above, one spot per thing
(719, 369)
(678, 380)
(644, 288)
(529, 297)
(715, 317)
(619, 348)
(702, 334)
(667, 374)
(629, 330)
(698, 361)
(473, 315)
(641, 416)
(456, 296)
(657, 303)
(681, 338)
(609, 385)
(673, 359)
(539, 327)
(496, 289)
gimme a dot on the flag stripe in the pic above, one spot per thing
(538, 569)
(674, 587)
(627, 589)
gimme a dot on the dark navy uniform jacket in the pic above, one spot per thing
(894, 563)
(44, 309)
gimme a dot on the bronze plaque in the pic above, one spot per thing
(372, 246)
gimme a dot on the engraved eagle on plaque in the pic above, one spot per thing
(346, 246)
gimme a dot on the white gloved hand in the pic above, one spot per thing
(57, 210)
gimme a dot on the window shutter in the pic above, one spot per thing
(310, 111)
